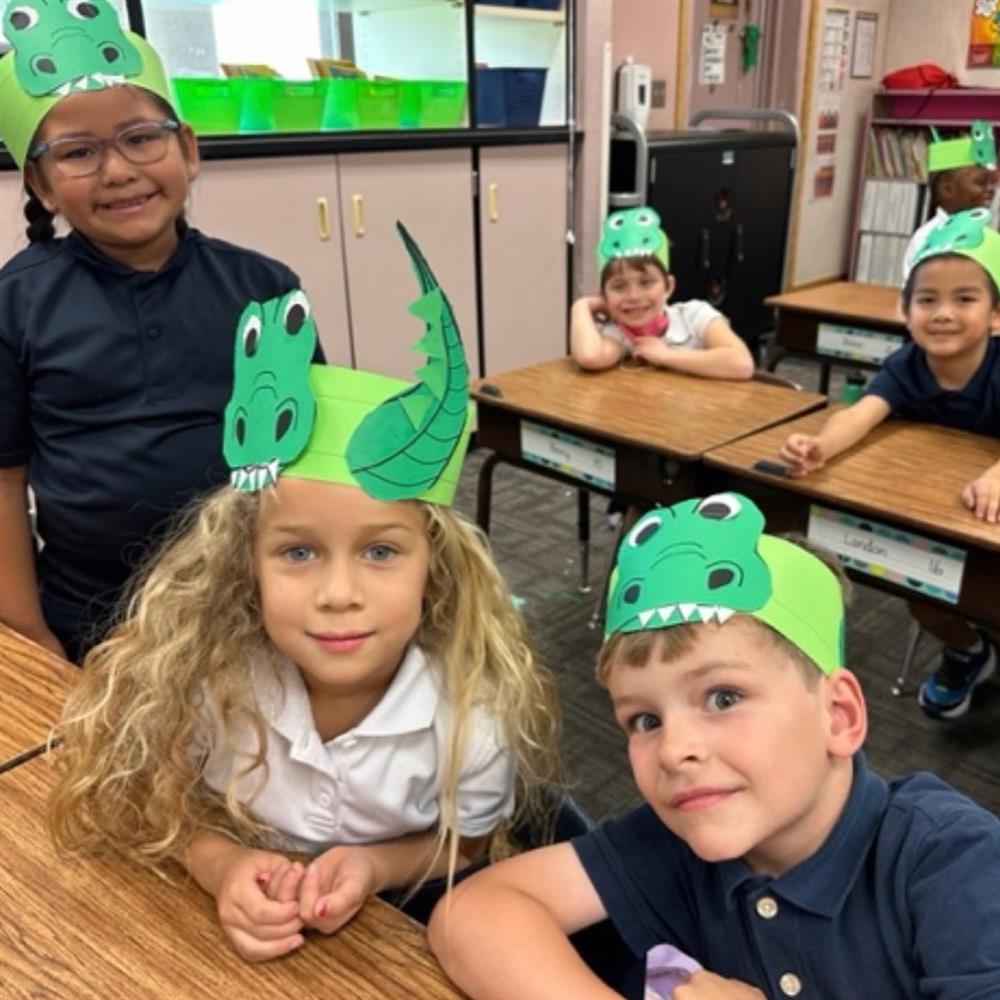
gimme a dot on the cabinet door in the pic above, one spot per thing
(522, 210)
(430, 192)
(285, 207)
(12, 220)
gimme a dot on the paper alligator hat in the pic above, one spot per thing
(633, 232)
(62, 47)
(704, 560)
(967, 233)
(394, 439)
(977, 149)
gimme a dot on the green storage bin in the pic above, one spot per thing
(256, 95)
(379, 103)
(340, 106)
(442, 103)
(210, 105)
(298, 104)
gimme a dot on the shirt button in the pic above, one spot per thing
(790, 984)
(324, 799)
(153, 332)
(767, 908)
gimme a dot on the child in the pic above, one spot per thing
(631, 315)
(767, 851)
(331, 664)
(115, 342)
(949, 374)
(963, 175)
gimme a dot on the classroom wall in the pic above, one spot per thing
(909, 40)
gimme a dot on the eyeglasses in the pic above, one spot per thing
(141, 144)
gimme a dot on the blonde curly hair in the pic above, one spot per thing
(191, 625)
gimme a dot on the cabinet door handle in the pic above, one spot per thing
(706, 249)
(323, 218)
(493, 199)
(358, 214)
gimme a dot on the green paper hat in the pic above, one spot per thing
(967, 233)
(394, 439)
(977, 149)
(633, 232)
(62, 47)
(704, 560)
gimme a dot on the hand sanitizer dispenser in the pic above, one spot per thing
(634, 85)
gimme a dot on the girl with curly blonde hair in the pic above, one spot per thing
(309, 669)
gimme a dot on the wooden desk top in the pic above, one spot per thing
(33, 686)
(99, 930)
(680, 415)
(907, 472)
(846, 299)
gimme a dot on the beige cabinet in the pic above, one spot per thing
(285, 207)
(522, 207)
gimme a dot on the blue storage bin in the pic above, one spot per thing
(509, 96)
(540, 4)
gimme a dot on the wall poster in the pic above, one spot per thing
(984, 34)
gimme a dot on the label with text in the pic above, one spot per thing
(908, 560)
(856, 343)
(568, 454)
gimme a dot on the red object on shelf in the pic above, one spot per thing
(959, 104)
(919, 76)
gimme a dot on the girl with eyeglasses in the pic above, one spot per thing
(115, 339)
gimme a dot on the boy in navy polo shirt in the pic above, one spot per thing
(950, 375)
(767, 852)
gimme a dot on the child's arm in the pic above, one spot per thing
(804, 453)
(982, 495)
(724, 354)
(256, 894)
(502, 933)
(19, 604)
(588, 347)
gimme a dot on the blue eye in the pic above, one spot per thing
(723, 698)
(643, 722)
(297, 553)
(380, 552)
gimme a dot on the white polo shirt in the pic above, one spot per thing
(378, 781)
(686, 328)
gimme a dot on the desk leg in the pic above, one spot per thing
(484, 492)
(583, 534)
(899, 688)
(824, 378)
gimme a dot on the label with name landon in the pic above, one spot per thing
(568, 454)
(905, 559)
(856, 343)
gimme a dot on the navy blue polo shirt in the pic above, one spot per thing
(901, 901)
(909, 387)
(112, 387)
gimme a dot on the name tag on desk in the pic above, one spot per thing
(905, 559)
(566, 453)
(856, 343)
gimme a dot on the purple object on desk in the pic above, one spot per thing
(667, 968)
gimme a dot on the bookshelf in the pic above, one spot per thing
(892, 196)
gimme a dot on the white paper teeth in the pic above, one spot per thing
(707, 612)
(644, 617)
(687, 611)
(724, 614)
(666, 611)
(255, 477)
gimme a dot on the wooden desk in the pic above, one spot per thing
(861, 324)
(98, 930)
(33, 687)
(904, 476)
(655, 424)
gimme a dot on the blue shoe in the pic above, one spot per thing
(947, 692)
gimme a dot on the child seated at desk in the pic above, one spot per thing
(963, 175)
(950, 375)
(323, 660)
(631, 316)
(767, 852)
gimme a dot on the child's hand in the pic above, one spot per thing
(258, 904)
(802, 453)
(982, 495)
(707, 986)
(652, 350)
(335, 887)
(596, 305)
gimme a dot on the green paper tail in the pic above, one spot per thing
(401, 448)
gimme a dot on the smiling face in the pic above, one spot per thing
(636, 291)
(967, 187)
(952, 311)
(341, 580)
(128, 211)
(736, 753)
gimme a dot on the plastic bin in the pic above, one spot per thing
(379, 103)
(298, 104)
(210, 105)
(509, 96)
(432, 103)
(340, 108)
(540, 4)
(256, 97)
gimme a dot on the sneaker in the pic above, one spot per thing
(947, 692)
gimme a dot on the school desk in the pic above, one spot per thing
(889, 507)
(633, 431)
(843, 322)
(33, 686)
(102, 930)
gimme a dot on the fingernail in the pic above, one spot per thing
(321, 910)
